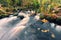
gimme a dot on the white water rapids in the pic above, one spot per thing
(11, 26)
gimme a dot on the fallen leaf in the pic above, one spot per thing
(45, 30)
(44, 20)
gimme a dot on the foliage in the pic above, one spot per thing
(43, 6)
(48, 5)
(10, 2)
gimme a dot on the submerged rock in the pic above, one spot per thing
(52, 35)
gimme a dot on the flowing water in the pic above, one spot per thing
(12, 25)
(14, 28)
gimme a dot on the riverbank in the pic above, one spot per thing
(6, 12)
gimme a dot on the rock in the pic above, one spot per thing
(52, 35)
(38, 28)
